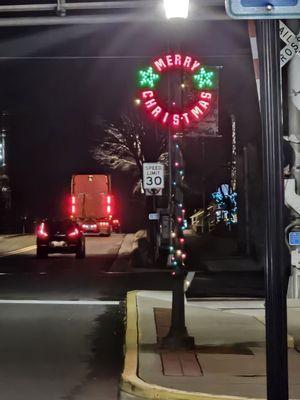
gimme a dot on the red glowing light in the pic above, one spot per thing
(175, 117)
(195, 112)
(74, 233)
(73, 205)
(42, 231)
(172, 61)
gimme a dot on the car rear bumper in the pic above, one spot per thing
(63, 248)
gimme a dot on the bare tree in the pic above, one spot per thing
(127, 145)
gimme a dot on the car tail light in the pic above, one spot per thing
(115, 221)
(42, 231)
(74, 233)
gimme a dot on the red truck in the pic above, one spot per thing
(92, 204)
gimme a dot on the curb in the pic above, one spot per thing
(132, 387)
(17, 251)
(14, 235)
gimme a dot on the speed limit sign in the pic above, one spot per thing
(153, 176)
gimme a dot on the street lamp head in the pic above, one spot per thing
(176, 8)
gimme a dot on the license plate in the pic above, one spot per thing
(57, 244)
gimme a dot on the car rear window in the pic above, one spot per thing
(62, 226)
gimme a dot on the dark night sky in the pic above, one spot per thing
(54, 102)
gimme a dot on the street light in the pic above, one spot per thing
(176, 8)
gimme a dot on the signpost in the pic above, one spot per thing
(263, 9)
(153, 184)
(153, 177)
(275, 270)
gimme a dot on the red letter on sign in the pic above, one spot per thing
(195, 65)
(169, 60)
(147, 93)
(177, 59)
(160, 64)
(187, 62)
(150, 103)
(176, 120)
(156, 111)
(165, 118)
(205, 95)
(186, 118)
(196, 112)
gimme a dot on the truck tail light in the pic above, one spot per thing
(41, 232)
(73, 206)
(74, 233)
(109, 205)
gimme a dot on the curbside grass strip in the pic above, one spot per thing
(132, 385)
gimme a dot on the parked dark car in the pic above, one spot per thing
(59, 237)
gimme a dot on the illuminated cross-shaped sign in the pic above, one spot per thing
(292, 44)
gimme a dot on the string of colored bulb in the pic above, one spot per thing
(177, 248)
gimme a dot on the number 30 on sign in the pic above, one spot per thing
(153, 176)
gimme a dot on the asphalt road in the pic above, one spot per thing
(57, 340)
(61, 319)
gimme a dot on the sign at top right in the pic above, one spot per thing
(263, 9)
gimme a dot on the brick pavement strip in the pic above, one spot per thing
(132, 386)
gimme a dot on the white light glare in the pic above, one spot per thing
(176, 8)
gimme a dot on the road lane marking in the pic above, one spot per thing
(65, 302)
(18, 251)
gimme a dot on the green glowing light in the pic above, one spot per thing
(204, 79)
(147, 78)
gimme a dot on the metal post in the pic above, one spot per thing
(154, 229)
(276, 314)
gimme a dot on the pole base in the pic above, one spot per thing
(178, 341)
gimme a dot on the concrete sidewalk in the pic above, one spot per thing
(10, 243)
(229, 359)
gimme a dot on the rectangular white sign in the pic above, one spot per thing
(153, 176)
(154, 216)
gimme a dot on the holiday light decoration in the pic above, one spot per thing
(226, 200)
(177, 251)
(147, 78)
(175, 117)
(204, 79)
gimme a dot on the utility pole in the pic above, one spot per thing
(275, 269)
(178, 336)
(5, 192)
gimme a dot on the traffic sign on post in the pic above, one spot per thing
(153, 176)
(292, 44)
(263, 9)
